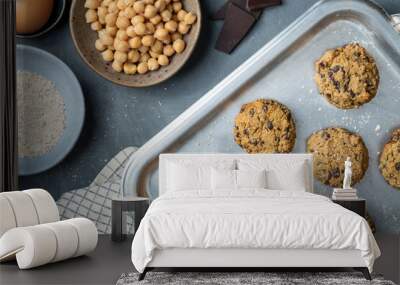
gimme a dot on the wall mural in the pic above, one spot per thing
(77, 65)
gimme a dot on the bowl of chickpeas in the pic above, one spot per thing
(135, 43)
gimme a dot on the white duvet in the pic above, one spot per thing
(250, 219)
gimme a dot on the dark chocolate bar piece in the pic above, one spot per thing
(236, 25)
(220, 14)
(253, 5)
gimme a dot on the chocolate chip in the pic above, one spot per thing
(252, 112)
(397, 166)
(242, 109)
(270, 126)
(322, 64)
(265, 107)
(336, 68)
(246, 132)
(337, 84)
(336, 173)
(326, 136)
(352, 94)
(254, 142)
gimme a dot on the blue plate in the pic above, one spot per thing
(47, 65)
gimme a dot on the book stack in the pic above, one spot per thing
(344, 194)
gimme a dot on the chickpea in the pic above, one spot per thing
(92, 4)
(137, 19)
(140, 29)
(135, 42)
(163, 60)
(106, 3)
(91, 16)
(142, 68)
(130, 31)
(170, 8)
(102, 20)
(153, 64)
(130, 68)
(167, 40)
(177, 6)
(111, 19)
(121, 45)
(150, 11)
(106, 39)
(112, 31)
(160, 5)
(179, 45)
(129, 12)
(117, 66)
(161, 34)
(99, 45)
(148, 1)
(183, 28)
(122, 35)
(120, 56)
(107, 55)
(181, 15)
(121, 4)
(96, 26)
(157, 47)
(133, 56)
(171, 26)
(143, 49)
(139, 6)
(166, 15)
(189, 18)
(112, 7)
(122, 22)
(150, 28)
(154, 54)
(168, 50)
(101, 12)
(144, 57)
(176, 36)
(160, 26)
(147, 40)
(156, 20)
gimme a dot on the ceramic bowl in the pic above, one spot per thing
(84, 39)
(55, 17)
(47, 65)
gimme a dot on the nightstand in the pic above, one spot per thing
(357, 206)
(138, 205)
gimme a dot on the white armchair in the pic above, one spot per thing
(31, 233)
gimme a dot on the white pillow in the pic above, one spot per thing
(226, 179)
(223, 179)
(251, 179)
(196, 175)
(291, 175)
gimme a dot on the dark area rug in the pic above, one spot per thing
(269, 278)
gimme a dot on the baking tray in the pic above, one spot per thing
(283, 70)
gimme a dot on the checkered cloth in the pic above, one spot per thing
(94, 201)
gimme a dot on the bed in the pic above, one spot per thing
(241, 210)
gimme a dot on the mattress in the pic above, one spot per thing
(251, 219)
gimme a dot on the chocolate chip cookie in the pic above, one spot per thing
(265, 126)
(389, 162)
(331, 147)
(347, 76)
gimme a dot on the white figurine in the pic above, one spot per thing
(347, 174)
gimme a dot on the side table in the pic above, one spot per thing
(357, 206)
(138, 205)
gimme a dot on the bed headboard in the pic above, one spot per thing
(170, 157)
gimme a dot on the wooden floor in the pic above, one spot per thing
(110, 260)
